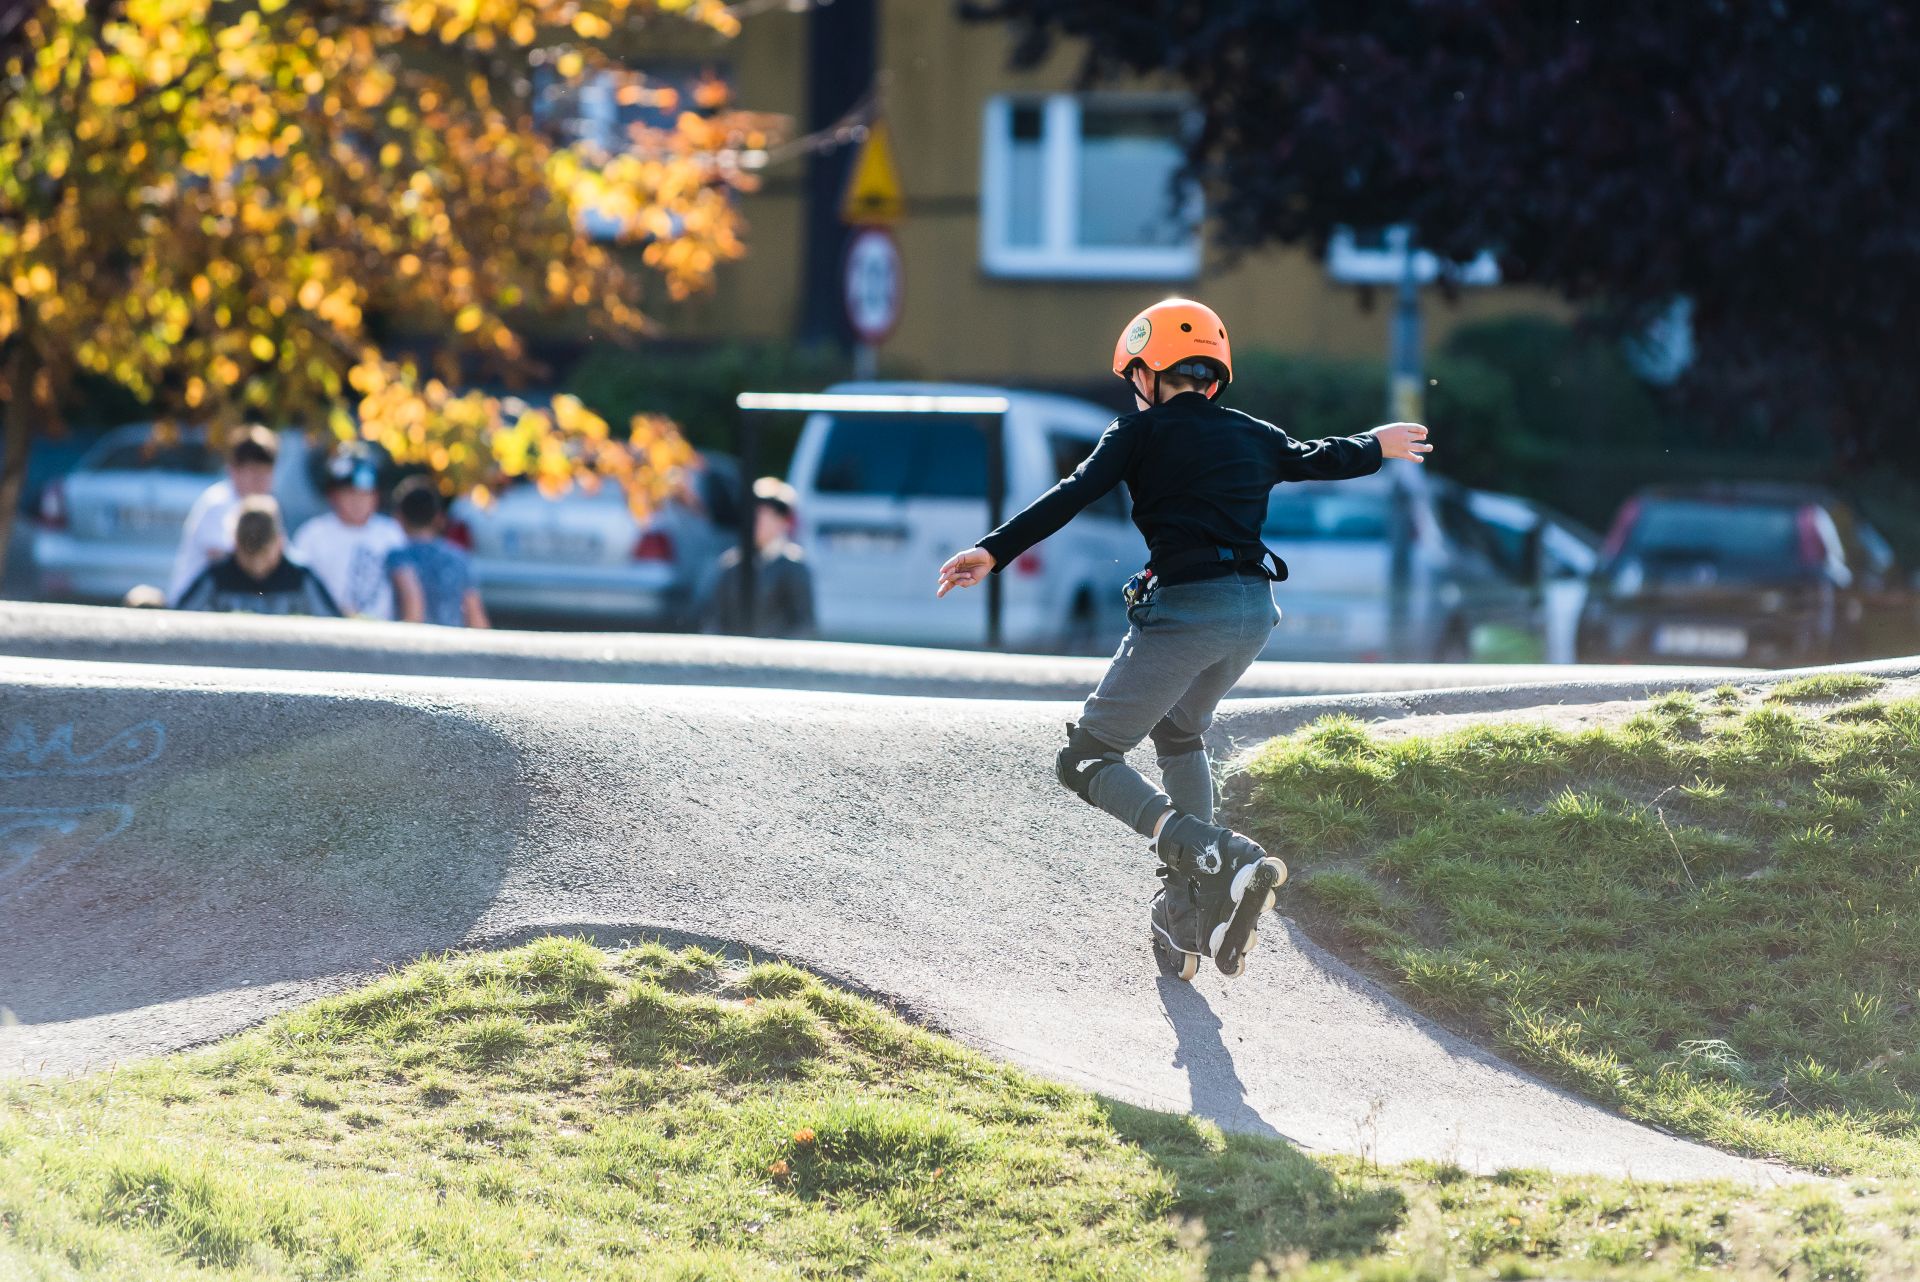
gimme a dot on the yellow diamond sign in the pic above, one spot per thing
(873, 194)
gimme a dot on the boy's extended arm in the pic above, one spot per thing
(1103, 469)
(1337, 458)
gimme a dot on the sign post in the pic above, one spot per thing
(872, 281)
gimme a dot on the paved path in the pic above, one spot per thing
(328, 645)
(183, 850)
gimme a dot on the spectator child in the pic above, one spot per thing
(444, 572)
(348, 546)
(256, 578)
(208, 533)
(782, 581)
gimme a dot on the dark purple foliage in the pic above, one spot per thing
(1758, 157)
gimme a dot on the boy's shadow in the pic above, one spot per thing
(1213, 1081)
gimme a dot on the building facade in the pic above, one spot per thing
(1037, 219)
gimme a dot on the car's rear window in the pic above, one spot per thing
(1298, 513)
(917, 457)
(144, 456)
(1724, 532)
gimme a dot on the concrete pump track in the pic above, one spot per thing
(185, 850)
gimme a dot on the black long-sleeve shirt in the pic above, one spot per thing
(1199, 473)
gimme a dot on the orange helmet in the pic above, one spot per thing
(1172, 333)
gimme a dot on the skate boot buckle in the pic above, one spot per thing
(1207, 858)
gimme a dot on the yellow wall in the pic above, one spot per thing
(959, 322)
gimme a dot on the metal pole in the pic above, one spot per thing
(996, 429)
(1406, 386)
(746, 437)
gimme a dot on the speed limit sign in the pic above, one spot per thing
(873, 284)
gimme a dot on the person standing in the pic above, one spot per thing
(782, 580)
(208, 533)
(1200, 612)
(444, 572)
(347, 547)
(257, 578)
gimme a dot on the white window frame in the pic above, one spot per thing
(1058, 255)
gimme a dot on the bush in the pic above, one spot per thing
(695, 387)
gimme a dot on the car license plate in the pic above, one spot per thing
(551, 545)
(1700, 641)
(881, 539)
(144, 520)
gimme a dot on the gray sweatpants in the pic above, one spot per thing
(1184, 650)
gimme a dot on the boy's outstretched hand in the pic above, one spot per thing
(1403, 440)
(964, 569)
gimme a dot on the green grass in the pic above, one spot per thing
(559, 1112)
(1708, 917)
(1824, 687)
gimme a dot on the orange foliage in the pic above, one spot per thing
(207, 205)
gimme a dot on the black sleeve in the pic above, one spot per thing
(1338, 458)
(1096, 476)
(199, 593)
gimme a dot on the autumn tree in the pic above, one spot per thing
(1762, 160)
(209, 203)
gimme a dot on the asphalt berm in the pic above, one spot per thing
(184, 850)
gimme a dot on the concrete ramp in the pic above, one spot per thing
(183, 850)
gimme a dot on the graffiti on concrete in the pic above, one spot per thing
(27, 832)
(40, 838)
(26, 754)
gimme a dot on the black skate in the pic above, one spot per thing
(1211, 902)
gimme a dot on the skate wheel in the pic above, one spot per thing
(1176, 963)
(1233, 969)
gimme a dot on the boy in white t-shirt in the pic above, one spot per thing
(348, 546)
(208, 533)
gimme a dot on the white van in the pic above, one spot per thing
(885, 499)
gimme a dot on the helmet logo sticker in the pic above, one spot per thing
(1138, 335)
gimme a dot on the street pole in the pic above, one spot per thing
(745, 440)
(1406, 403)
(996, 429)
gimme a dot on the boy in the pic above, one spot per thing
(782, 583)
(444, 572)
(1200, 475)
(348, 546)
(257, 578)
(208, 534)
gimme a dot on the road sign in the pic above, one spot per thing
(873, 193)
(873, 284)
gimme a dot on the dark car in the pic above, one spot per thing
(1768, 575)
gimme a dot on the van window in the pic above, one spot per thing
(865, 455)
(917, 457)
(1069, 452)
(950, 461)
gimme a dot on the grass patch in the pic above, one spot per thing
(1824, 687)
(554, 1111)
(1712, 923)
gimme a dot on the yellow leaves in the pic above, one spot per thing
(39, 280)
(591, 26)
(570, 64)
(226, 371)
(311, 294)
(390, 155)
(468, 319)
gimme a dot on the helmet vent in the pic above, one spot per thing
(1186, 327)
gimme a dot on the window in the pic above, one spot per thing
(1299, 513)
(1082, 185)
(909, 458)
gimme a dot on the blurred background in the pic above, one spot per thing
(1648, 276)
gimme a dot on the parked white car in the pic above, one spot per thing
(1408, 566)
(115, 521)
(885, 499)
(585, 557)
